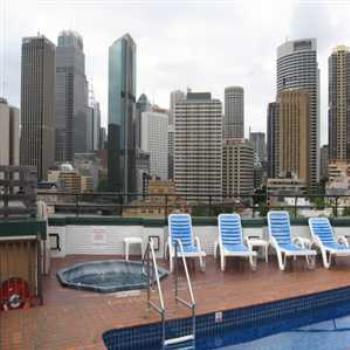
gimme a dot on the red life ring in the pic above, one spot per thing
(14, 293)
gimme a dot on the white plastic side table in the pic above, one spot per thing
(128, 241)
(260, 243)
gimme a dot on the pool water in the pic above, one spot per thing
(326, 328)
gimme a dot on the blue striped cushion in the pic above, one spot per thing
(230, 229)
(180, 226)
(280, 228)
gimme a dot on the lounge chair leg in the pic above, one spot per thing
(171, 263)
(326, 261)
(253, 262)
(281, 261)
(223, 261)
(201, 263)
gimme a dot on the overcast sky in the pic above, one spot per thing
(205, 45)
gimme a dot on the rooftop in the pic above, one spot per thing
(72, 319)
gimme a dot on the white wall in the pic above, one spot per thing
(108, 240)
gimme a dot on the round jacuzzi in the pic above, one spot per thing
(106, 276)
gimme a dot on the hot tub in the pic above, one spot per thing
(106, 276)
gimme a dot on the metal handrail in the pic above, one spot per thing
(151, 277)
(192, 303)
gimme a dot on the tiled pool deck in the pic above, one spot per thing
(72, 319)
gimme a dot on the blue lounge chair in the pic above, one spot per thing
(180, 231)
(230, 241)
(281, 240)
(324, 238)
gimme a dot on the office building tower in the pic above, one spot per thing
(171, 148)
(142, 105)
(339, 104)
(198, 146)
(121, 115)
(38, 104)
(233, 126)
(272, 141)
(154, 140)
(297, 68)
(257, 139)
(71, 98)
(175, 97)
(9, 134)
(324, 162)
(294, 116)
(237, 167)
(102, 139)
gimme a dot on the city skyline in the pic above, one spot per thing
(185, 64)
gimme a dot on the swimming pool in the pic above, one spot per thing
(318, 321)
(106, 276)
(328, 328)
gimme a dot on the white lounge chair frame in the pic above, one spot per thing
(224, 253)
(170, 249)
(283, 253)
(327, 252)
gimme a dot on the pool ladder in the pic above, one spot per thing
(187, 341)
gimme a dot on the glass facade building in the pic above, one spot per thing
(121, 115)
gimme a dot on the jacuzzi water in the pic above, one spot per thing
(106, 276)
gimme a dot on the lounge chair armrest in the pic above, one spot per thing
(273, 242)
(302, 242)
(197, 242)
(343, 240)
(170, 246)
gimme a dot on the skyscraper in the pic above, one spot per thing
(272, 140)
(294, 115)
(233, 126)
(237, 167)
(297, 68)
(324, 162)
(175, 97)
(38, 104)
(121, 115)
(257, 139)
(339, 104)
(154, 140)
(71, 97)
(9, 134)
(198, 146)
(142, 105)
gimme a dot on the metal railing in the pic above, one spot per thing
(192, 304)
(153, 277)
(161, 204)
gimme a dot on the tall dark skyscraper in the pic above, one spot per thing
(71, 102)
(38, 104)
(121, 115)
(339, 104)
(297, 68)
(272, 140)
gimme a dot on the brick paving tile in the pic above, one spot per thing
(75, 320)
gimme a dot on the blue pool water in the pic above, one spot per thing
(318, 329)
(326, 328)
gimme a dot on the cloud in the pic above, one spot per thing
(206, 45)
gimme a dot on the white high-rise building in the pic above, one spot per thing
(175, 97)
(234, 113)
(154, 140)
(198, 146)
(9, 134)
